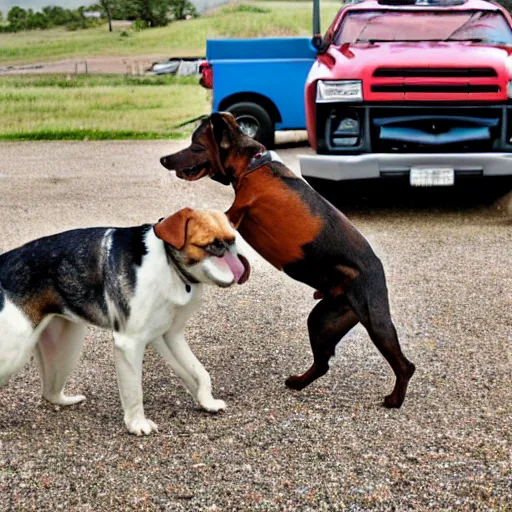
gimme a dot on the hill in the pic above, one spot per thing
(182, 38)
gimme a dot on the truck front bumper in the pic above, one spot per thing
(382, 165)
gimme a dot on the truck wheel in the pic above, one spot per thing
(254, 121)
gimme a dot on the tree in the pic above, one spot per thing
(154, 12)
(182, 9)
(108, 7)
(56, 16)
(50, 16)
(36, 20)
(505, 3)
(17, 18)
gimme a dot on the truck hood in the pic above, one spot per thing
(360, 61)
(358, 58)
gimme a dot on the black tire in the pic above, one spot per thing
(256, 116)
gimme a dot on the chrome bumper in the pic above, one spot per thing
(380, 165)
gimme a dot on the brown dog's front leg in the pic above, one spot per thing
(329, 321)
(236, 215)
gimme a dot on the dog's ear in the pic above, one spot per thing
(173, 229)
(220, 130)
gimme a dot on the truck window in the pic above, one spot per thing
(373, 26)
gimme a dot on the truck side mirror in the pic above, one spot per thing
(317, 42)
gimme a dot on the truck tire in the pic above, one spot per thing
(254, 121)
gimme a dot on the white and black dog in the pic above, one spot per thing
(142, 282)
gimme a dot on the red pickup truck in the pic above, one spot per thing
(419, 89)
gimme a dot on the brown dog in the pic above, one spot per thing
(301, 233)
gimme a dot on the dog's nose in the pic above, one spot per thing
(163, 161)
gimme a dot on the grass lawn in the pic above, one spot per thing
(43, 107)
(98, 107)
(182, 38)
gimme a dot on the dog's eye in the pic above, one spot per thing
(223, 244)
(195, 148)
(217, 247)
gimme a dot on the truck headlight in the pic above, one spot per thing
(509, 89)
(339, 90)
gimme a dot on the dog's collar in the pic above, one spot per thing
(187, 278)
(258, 160)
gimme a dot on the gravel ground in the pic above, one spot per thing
(329, 447)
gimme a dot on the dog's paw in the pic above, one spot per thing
(295, 382)
(213, 405)
(392, 402)
(62, 399)
(140, 427)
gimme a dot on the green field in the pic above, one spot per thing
(98, 107)
(182, 38)
(42, 107)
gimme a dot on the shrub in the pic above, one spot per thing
(247, 8)
(139, 25)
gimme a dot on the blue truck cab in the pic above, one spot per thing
(260, 81)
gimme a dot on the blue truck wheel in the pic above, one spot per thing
(254, 121)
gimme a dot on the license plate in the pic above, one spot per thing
(432, 177)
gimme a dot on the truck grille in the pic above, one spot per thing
(441, 88)
(433, 84)
(435, 72)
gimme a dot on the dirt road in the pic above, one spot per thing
(330, 446)
(135, 65)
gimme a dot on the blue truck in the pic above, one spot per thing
(260, 81)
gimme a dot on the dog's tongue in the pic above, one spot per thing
(234, 264)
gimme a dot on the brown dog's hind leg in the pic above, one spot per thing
(328, 322)
(370, 302)
(388, 345)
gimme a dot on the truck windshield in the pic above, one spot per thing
(373, 26)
